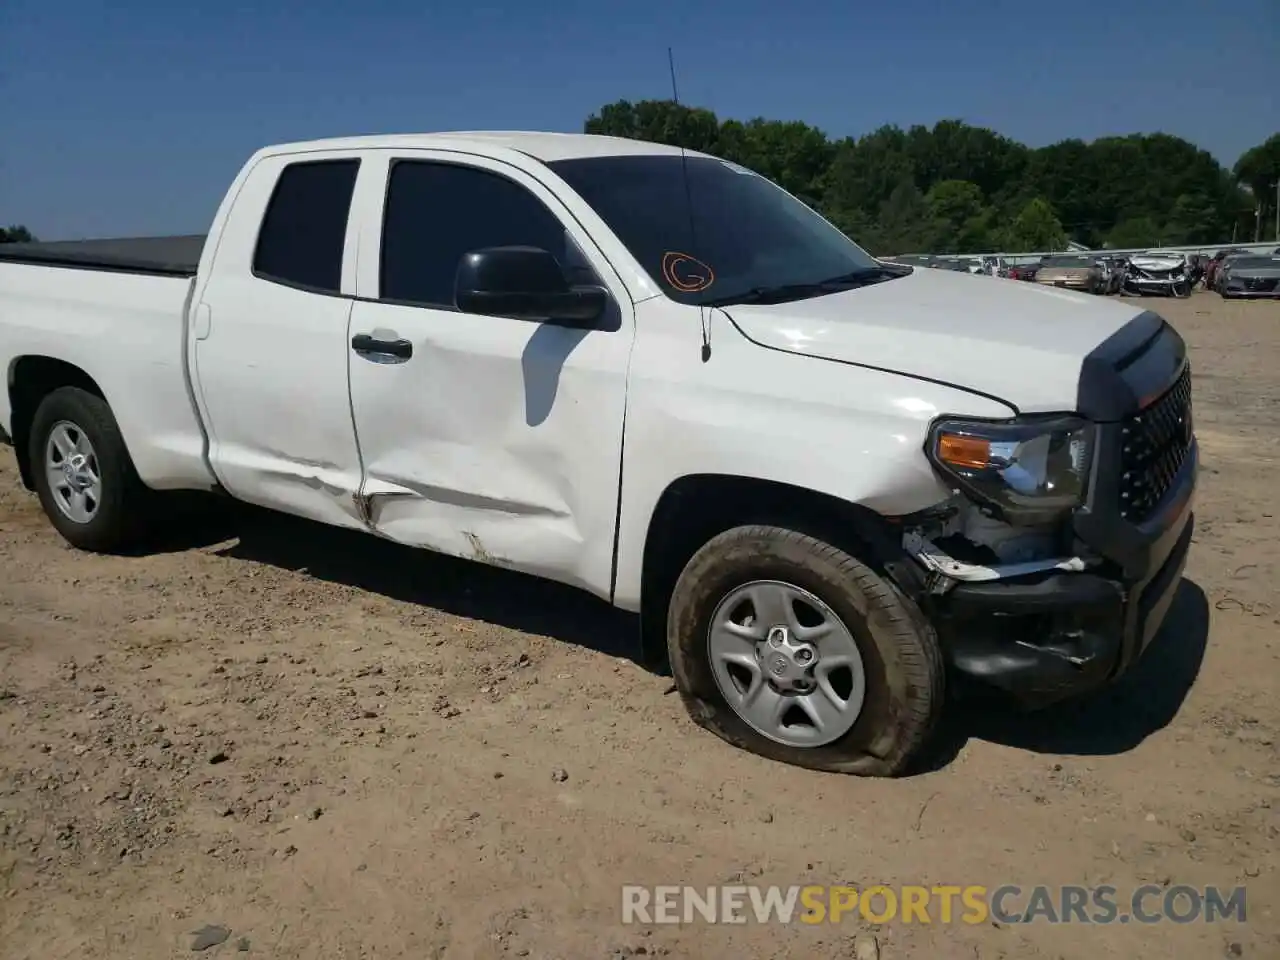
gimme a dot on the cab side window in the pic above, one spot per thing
(304, 228)
(438, 212)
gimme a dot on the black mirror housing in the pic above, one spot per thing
(524, 283)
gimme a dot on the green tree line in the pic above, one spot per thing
(957, 188)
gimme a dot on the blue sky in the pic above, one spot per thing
(130, 117)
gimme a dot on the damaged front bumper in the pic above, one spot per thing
(1077, 610)
(1174, 283)
(1063, 631)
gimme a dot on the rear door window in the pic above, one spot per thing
(305, 227)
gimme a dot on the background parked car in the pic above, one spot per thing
(1072, 271)
(1111, 274)
(955, 264)
(1195, 267)
(1215, 262)
(1224, 267)
(1159, 272)
(1118, 267)
(1251, 276)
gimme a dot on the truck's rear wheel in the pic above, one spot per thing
(789, 647)
(83, 474)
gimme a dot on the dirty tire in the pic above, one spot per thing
(121, 518)
(901, 658)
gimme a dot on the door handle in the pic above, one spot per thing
(363, 343)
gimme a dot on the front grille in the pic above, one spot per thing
(1259, 284)
(1154, 445)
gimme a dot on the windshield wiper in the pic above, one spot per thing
(776, 294)
(784, 292)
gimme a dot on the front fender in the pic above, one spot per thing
(849, 432)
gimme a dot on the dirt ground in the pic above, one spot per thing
(336, 748)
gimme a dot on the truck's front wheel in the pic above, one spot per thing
(791, 648)
(83, 474)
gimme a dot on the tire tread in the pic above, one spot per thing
(124, 515)
(915, 649)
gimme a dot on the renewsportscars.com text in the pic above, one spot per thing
(972, 904)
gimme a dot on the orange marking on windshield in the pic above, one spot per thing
(687, 274)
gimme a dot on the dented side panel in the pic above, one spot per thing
(499, 440)
(270, 372)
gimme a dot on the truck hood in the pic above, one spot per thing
(1017, 342)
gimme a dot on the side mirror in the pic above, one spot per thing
(524, 283)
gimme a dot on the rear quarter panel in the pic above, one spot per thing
(125, 331)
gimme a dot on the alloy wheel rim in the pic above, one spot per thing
(786, 663)
(71, 467)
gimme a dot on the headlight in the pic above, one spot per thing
(1028, 471)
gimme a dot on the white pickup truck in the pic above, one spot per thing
(832, 487)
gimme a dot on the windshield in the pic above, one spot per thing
(1254, 263)
(745, 233)
(1078, 262)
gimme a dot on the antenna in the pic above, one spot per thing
(703, 320)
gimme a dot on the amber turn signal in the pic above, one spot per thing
(957, 450)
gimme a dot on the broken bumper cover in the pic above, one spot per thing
(1058, 635)
(1155, 284)
(1053, 635)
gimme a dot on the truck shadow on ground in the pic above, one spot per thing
(460, 587)
(1113, 721)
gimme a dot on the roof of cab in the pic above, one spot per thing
(547, 147)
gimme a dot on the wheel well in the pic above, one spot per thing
(31, 379)
(696, 508)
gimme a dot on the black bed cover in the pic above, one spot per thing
(163, 256)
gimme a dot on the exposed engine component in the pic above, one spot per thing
(1162, 274)
(961, 543)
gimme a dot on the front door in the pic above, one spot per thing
(480, 436)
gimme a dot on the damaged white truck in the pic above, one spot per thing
(832, 487)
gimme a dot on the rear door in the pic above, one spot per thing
(270, 340)
(481, 436)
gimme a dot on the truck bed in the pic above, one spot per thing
(125, 327)
(161, 256)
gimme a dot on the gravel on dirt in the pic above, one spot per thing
(340, 748)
